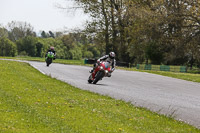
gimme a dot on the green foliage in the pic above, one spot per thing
(88, 54)
(3, 32)
(43, 44)
(7, 47)
(44, 35)
(75, 53)
(130, 28)
(23, 53)
(90, 51)
(18, 30)
(39, 48)
(154, 53)
(27, 44)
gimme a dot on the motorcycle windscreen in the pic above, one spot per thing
(50, 54)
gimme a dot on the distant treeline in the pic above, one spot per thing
(20, 39)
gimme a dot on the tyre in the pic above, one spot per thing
(49, 61)
(89, 79)
(47, 64)
(98, 76)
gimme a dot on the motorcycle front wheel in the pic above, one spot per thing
(98, 76)
(48, 61)
(89, 79)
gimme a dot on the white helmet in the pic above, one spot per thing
(112, 55)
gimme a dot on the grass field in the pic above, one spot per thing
(63, 61)
(33, 102)
(184, 76)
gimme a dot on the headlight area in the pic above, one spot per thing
(101, 68)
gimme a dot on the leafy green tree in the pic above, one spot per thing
(88, 54)
(39, 48)
(47, 43)
(75, 53)
(18, 30)
(51, 34)
(154, 53)
(27, 44)
(44, 34)
(7, 47)
(68, 41)
(3, 32)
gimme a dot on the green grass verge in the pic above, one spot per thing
(33, 102)
(63, 61)
(184, 76)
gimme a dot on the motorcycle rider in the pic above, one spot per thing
(51, 50)
(109, 58)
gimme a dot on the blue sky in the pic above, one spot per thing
(41, 14)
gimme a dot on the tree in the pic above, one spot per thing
(44, 34)
(158, 31)
(109, 21)
(51, 34)
(28, 45)
(58, 34)
(3, 32)
(7, 47)
(75, 53)
(18, 30)
(100, 18)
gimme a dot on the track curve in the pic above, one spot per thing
(165, 95)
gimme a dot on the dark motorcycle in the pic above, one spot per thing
(103, 70)
(49, 58)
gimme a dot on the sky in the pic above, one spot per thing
(41, 14)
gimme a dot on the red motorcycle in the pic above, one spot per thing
(101, 71)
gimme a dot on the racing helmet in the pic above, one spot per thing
(112, 55)
(52, 48)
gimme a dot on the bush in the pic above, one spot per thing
(7, 47)
(27, 44)
(75, 53)
(88, 54)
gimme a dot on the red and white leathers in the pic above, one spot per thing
(107, 59)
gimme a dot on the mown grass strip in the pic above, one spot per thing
(184, 76)
(33, 102)
(63, 61)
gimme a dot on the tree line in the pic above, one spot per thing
(146, 31)
(19, 39)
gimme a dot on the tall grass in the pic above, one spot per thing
(33, 102)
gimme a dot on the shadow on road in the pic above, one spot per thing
(99, 84)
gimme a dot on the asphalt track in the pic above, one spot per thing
(172, 97)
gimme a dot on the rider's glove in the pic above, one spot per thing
(98, 62)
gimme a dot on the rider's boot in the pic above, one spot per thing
(91, 71)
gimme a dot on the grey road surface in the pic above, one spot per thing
(165, 95)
